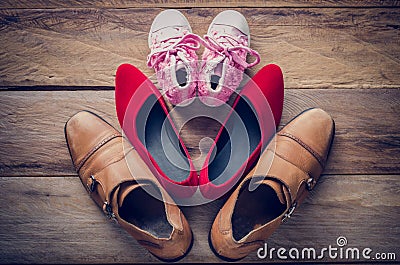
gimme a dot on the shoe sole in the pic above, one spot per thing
(217, 254)
(180, 257)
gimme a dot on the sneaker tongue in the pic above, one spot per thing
(125, 190)
(179, 65)
(218, 69)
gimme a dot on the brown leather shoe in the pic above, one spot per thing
(248, 218)
(100, 157)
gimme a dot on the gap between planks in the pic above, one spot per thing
(54, 219)
(316, 47)
(367, 137)
(121, 4)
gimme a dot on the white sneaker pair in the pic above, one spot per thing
(220, 71)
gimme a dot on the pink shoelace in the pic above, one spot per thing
(177, 46)
(228, 47)
(183, 47)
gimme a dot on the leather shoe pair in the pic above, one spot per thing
(268, 196)
(120, 183)
(248, 217)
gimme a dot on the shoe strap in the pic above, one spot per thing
(101, 186)
(293, 179)
(104, 184)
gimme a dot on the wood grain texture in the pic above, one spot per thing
(188, 4)
(316, 47)
(52, 220)
(367, 128)
(60, 57)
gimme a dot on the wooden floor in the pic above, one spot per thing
(59, 58)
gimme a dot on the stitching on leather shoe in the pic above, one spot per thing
(97, 147)
(288, 160)
(111, 161)
(320, 160)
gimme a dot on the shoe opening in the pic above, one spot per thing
(215, 81)
(157, 134)
(232, 151)
(146, 212)
(254, 209)
(181, 77)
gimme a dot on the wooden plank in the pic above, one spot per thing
(367, 128)
(48, 220)
(316, 47)
(188, 4)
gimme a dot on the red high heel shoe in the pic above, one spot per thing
(144, 118)
(258, 107)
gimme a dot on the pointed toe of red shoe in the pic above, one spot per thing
(144, 118)
(250, 125)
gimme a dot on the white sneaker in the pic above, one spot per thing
(173, 56)
(224, 58)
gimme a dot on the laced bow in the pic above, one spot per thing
(226, 46)
(178, 46)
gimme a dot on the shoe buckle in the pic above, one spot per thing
(311, 184)
(289, 213)
(108, 211)
(91, 183)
